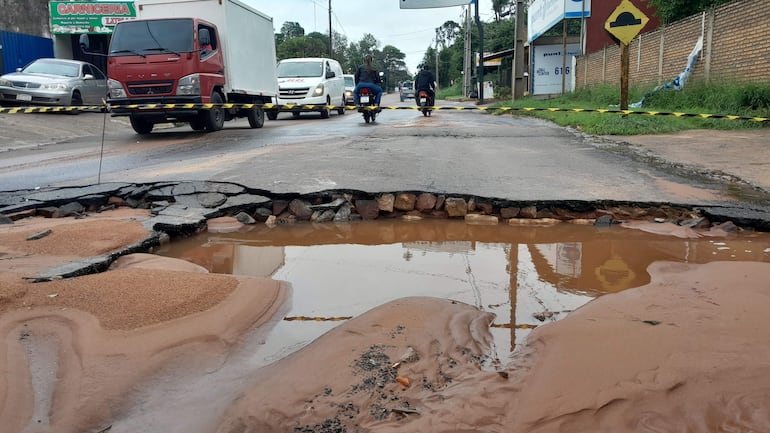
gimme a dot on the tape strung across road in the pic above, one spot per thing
(160, 107)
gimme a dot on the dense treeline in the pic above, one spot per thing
(673, 10)
(446, 52)
(292, 42)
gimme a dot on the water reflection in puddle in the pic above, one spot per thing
(526, 275)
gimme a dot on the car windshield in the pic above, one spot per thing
(64, 69)
(138, 37)
(300, 69)
(349, 82)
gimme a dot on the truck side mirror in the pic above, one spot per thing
(85, 43)
(85, 46)
(204, 38)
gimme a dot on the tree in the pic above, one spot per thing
(393, 65)
(291, 29)
(303, 46)
(447, 33)
(673, 10)
(500, 6)
(323, 40)
(340, 47)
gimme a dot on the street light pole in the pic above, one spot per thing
(331, 44)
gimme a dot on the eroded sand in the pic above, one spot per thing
(687, 352)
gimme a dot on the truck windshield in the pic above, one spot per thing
(300, 69)
(139, 37)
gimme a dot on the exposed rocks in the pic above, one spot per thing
(386, 202)
(405, 201)
(300, 209)
(456, 207)
(181, 209)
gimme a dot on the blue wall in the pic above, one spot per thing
(19, 49)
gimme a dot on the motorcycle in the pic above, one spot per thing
(365, 102)
(423, 100)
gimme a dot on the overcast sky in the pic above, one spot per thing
(410, 30)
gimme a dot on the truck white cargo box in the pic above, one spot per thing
(247, 38)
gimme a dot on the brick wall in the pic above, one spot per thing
(736, 46)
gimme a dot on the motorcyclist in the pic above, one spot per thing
(427, 82)
(367, 76)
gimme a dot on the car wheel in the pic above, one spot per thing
(76, 101)
(295, 114)
(272, 115)
(214, 118)
(256, 117)
(341, 110)
(325, 111)
(141, 126)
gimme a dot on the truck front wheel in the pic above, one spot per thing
(141, 126)
(256, 117)
(214, 118)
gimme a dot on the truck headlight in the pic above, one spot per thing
(189, 85)
(319, 90)
(116, 89)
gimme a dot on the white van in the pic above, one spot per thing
(310, 81)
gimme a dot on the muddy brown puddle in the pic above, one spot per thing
(526, 275)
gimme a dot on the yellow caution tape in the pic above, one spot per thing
(315, 107)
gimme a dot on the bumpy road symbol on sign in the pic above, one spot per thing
(625, 22)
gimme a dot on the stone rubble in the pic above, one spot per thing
(183, 209)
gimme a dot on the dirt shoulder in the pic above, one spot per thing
(682, 353)
(740, 153)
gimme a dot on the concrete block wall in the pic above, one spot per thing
(25, 16)
(736, 47)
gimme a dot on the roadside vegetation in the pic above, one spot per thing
(749, 100)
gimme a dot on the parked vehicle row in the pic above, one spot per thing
(183, 63)
(54, 82)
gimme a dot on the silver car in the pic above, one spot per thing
(350, 85)
(54, 82)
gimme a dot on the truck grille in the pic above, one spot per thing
(293, 93)
(150, 88)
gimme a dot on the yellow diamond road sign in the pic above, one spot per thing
(625, 22)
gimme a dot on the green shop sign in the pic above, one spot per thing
(75, 17)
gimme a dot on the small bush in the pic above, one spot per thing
(502, 92)
(755, 97)
(451, 92)
(719, 97)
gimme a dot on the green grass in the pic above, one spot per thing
(752, 100)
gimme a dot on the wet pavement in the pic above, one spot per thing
(525, 275)
(454, 152)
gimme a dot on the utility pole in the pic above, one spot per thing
(467, 57)
(480, 73)
(563, 54)
(437, 81)
(331, 44)
(519, 83)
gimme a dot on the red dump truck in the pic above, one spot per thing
(182, 53)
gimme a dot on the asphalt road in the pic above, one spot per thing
(468, 152)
